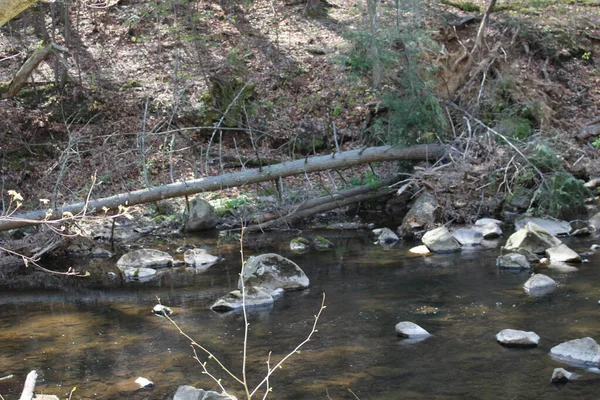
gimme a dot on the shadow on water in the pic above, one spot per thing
(99, 341)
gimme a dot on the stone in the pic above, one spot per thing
(579, 351)
(199, 259)
(422, 250)
(468, 236)
(201, 216)
(562, 268)
(490, 231)
(145, 258)
(321, 243)
(255, 297)
(421, 216)
(595, 247)
(513, 337)
(144, 383)
(513, 261)
(562, 253)
(532, 238)
(385, 236)
(561, 375)
(139, 274)
(311, 135)
(408, 329)
(160, 311)
(191, 393)
(555, 227)
(272, 271)
(580, 228)
(539, 283)
(99, 252)
(440, 240)
(594, 222)
(299, 244)
(487, 221)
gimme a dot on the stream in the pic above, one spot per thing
(99, 340)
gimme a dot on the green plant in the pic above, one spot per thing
(562, 196)
(596, 142)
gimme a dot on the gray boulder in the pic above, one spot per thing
(562, 253)
(385, 236)
(272, 271)
(468, 236)
(580, 228)
(420, 217)
(539, 283)
(532, 238)
(199, 259)
(555, 227)
(440, 240)
(408, 329)
(561, 375)
(191, 393)
(513, 261)
(490, 230)
(579, 351)
(255, 297)
(594, 222)
(201, 216)
(145, 258)
(513, 337)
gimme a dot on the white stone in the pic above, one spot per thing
(145, 258)
(410, 330)
(144, 383)
(513, 337)
(139, 274)
(531, 238)
(555, 227)
(468, 236)
(440, 240)
(191, 393)
(160, 311)
(579, 351)
(199, 259)
(539, 282)
(562, 253)
(255, 297)
(490, 231)
(272, 271)
(486, 221)
(562, 268)
(421, 250)
(513, 261)
(561, 375)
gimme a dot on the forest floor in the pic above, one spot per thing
(135, 111)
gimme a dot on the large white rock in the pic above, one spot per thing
(532, 238)
(255, 297)
(145, 258)
(421, 250)
(199, 259)
(555, 227)
(539, 283)
(513, 261)
(440, 240)
(468, 236)
(579, 351)
(272, 271)
(408, 329)
(191, 393)
(562, 253)
(490, 231)
(513, 337)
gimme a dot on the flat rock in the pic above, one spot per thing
(562, 267)
(562, 253)
(486, 221)
(272, 271)
(145, 258)
(139, 274)
(532, 238)
(513, 261)
(579, 351)
(555, 227)
(468, 236)
(422, 250)
(513, 337)
(539, 283)
(440, 240)
(191, 393)
(255, 297)
(408, 329)
(199, 259)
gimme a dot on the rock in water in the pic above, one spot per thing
(255, 297)
(513, 337)
(440, 240)
(420, 217)
(562, 253)
(555, 227)
(385, 236)
(561, 375)
(322, 243)
(408, 329)
(199, 259)
(272, 271)
(531, 238)
(422, 250)
(201, 217)
(539, 283)
(490, 231)
(144, 383)
(160, 310)
(145, 258)
(299, 244)
(468, 236)
(513, 261)
(191, 393)
(579, 351)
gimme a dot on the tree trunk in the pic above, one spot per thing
(11, 8)
(269, 173)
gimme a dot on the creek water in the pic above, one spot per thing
(99, 341)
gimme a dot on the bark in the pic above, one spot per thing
(11, 8)
(272, 172)
(28, 67)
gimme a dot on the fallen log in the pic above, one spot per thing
(241, 178)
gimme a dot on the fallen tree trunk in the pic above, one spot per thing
(272, 172)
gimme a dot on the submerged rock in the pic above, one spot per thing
(440, 240)
(139, 274)
(385, 236)
(272, 271)
(513, 261)
(201, 216)
(145, 258)
(408, 329)
(579, 351)
(468, 236)
(255, 297)
(321, 243)
(513, 337)
(562, 253)
(539, 283)
(299, 244)
(555, 227)
(561, 375)
(532, 238)
(199, 259)
(191, 393)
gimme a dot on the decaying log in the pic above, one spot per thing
(268, 173)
